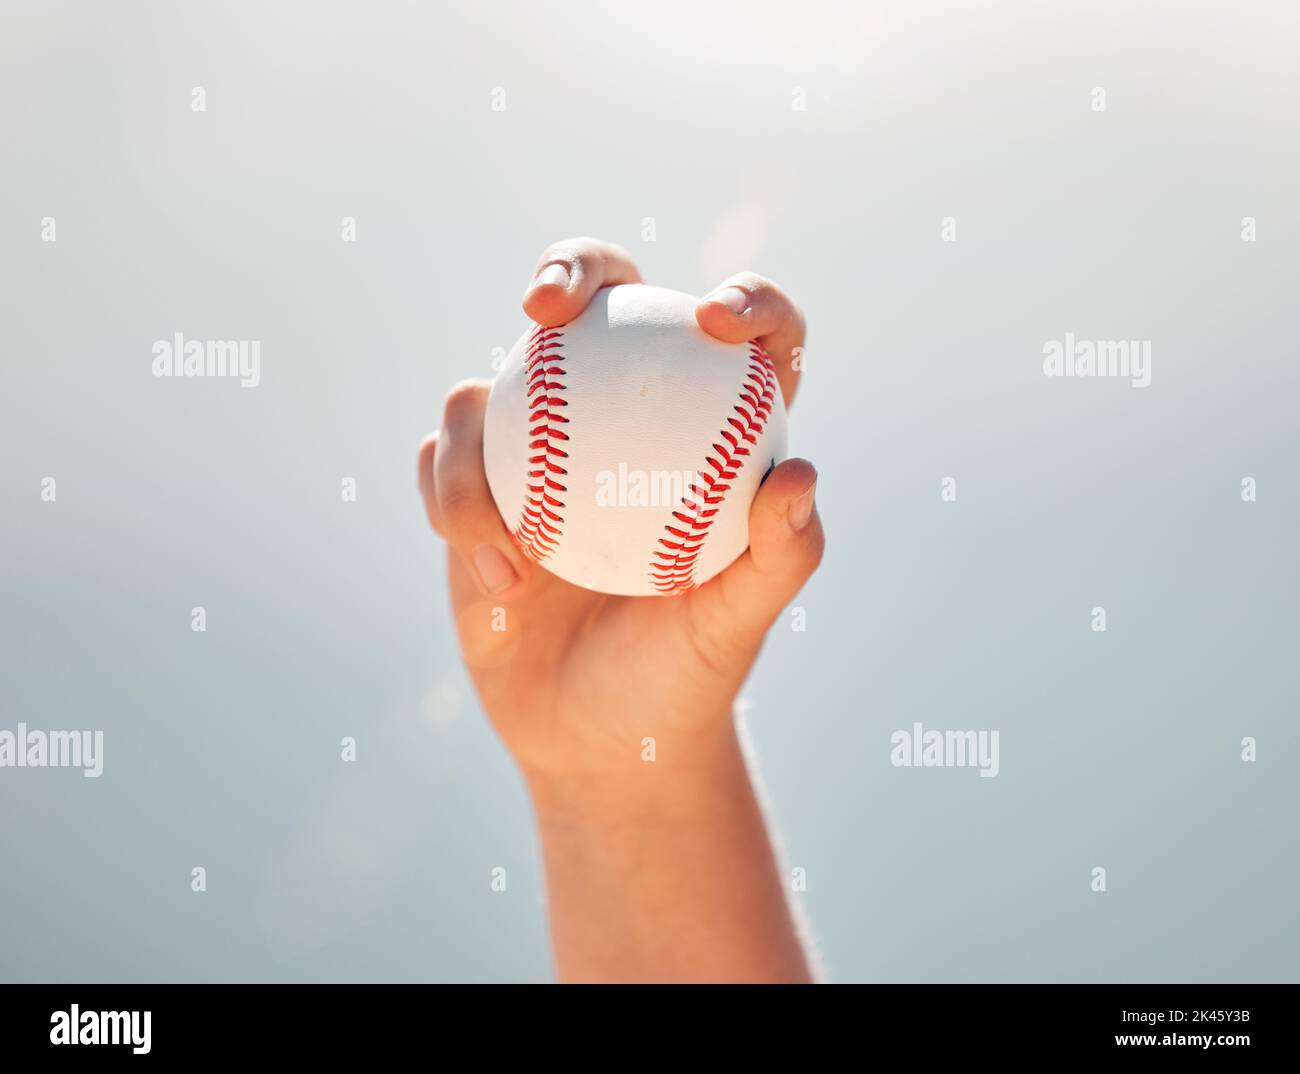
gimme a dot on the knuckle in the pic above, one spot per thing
(754, 283)
(612, 251)
(432, 513)
(580, 249)
(464, 399)
(797, 321)
(777, 307)
(457, 500)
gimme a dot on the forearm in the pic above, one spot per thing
(664, 872)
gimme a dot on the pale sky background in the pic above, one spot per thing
(328, 619)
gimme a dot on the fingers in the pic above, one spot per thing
(459, 501)
(785, 546)
(747, 306)
(569, 273)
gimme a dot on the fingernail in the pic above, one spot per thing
(556, 274)
(800, 510)
(493, 568)
(733, 298)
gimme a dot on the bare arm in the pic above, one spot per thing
(666, 873)
(657, 870)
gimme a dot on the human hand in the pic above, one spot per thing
(576, 680)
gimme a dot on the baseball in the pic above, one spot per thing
(624, 448)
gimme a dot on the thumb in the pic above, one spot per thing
(785, 546)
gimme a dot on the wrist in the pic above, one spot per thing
(667, 776)
(662, 870)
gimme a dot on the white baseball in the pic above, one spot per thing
(624, 448)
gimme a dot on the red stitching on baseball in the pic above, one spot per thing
(672, 570)
(538, 531)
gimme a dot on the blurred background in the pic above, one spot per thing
(462, 139)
